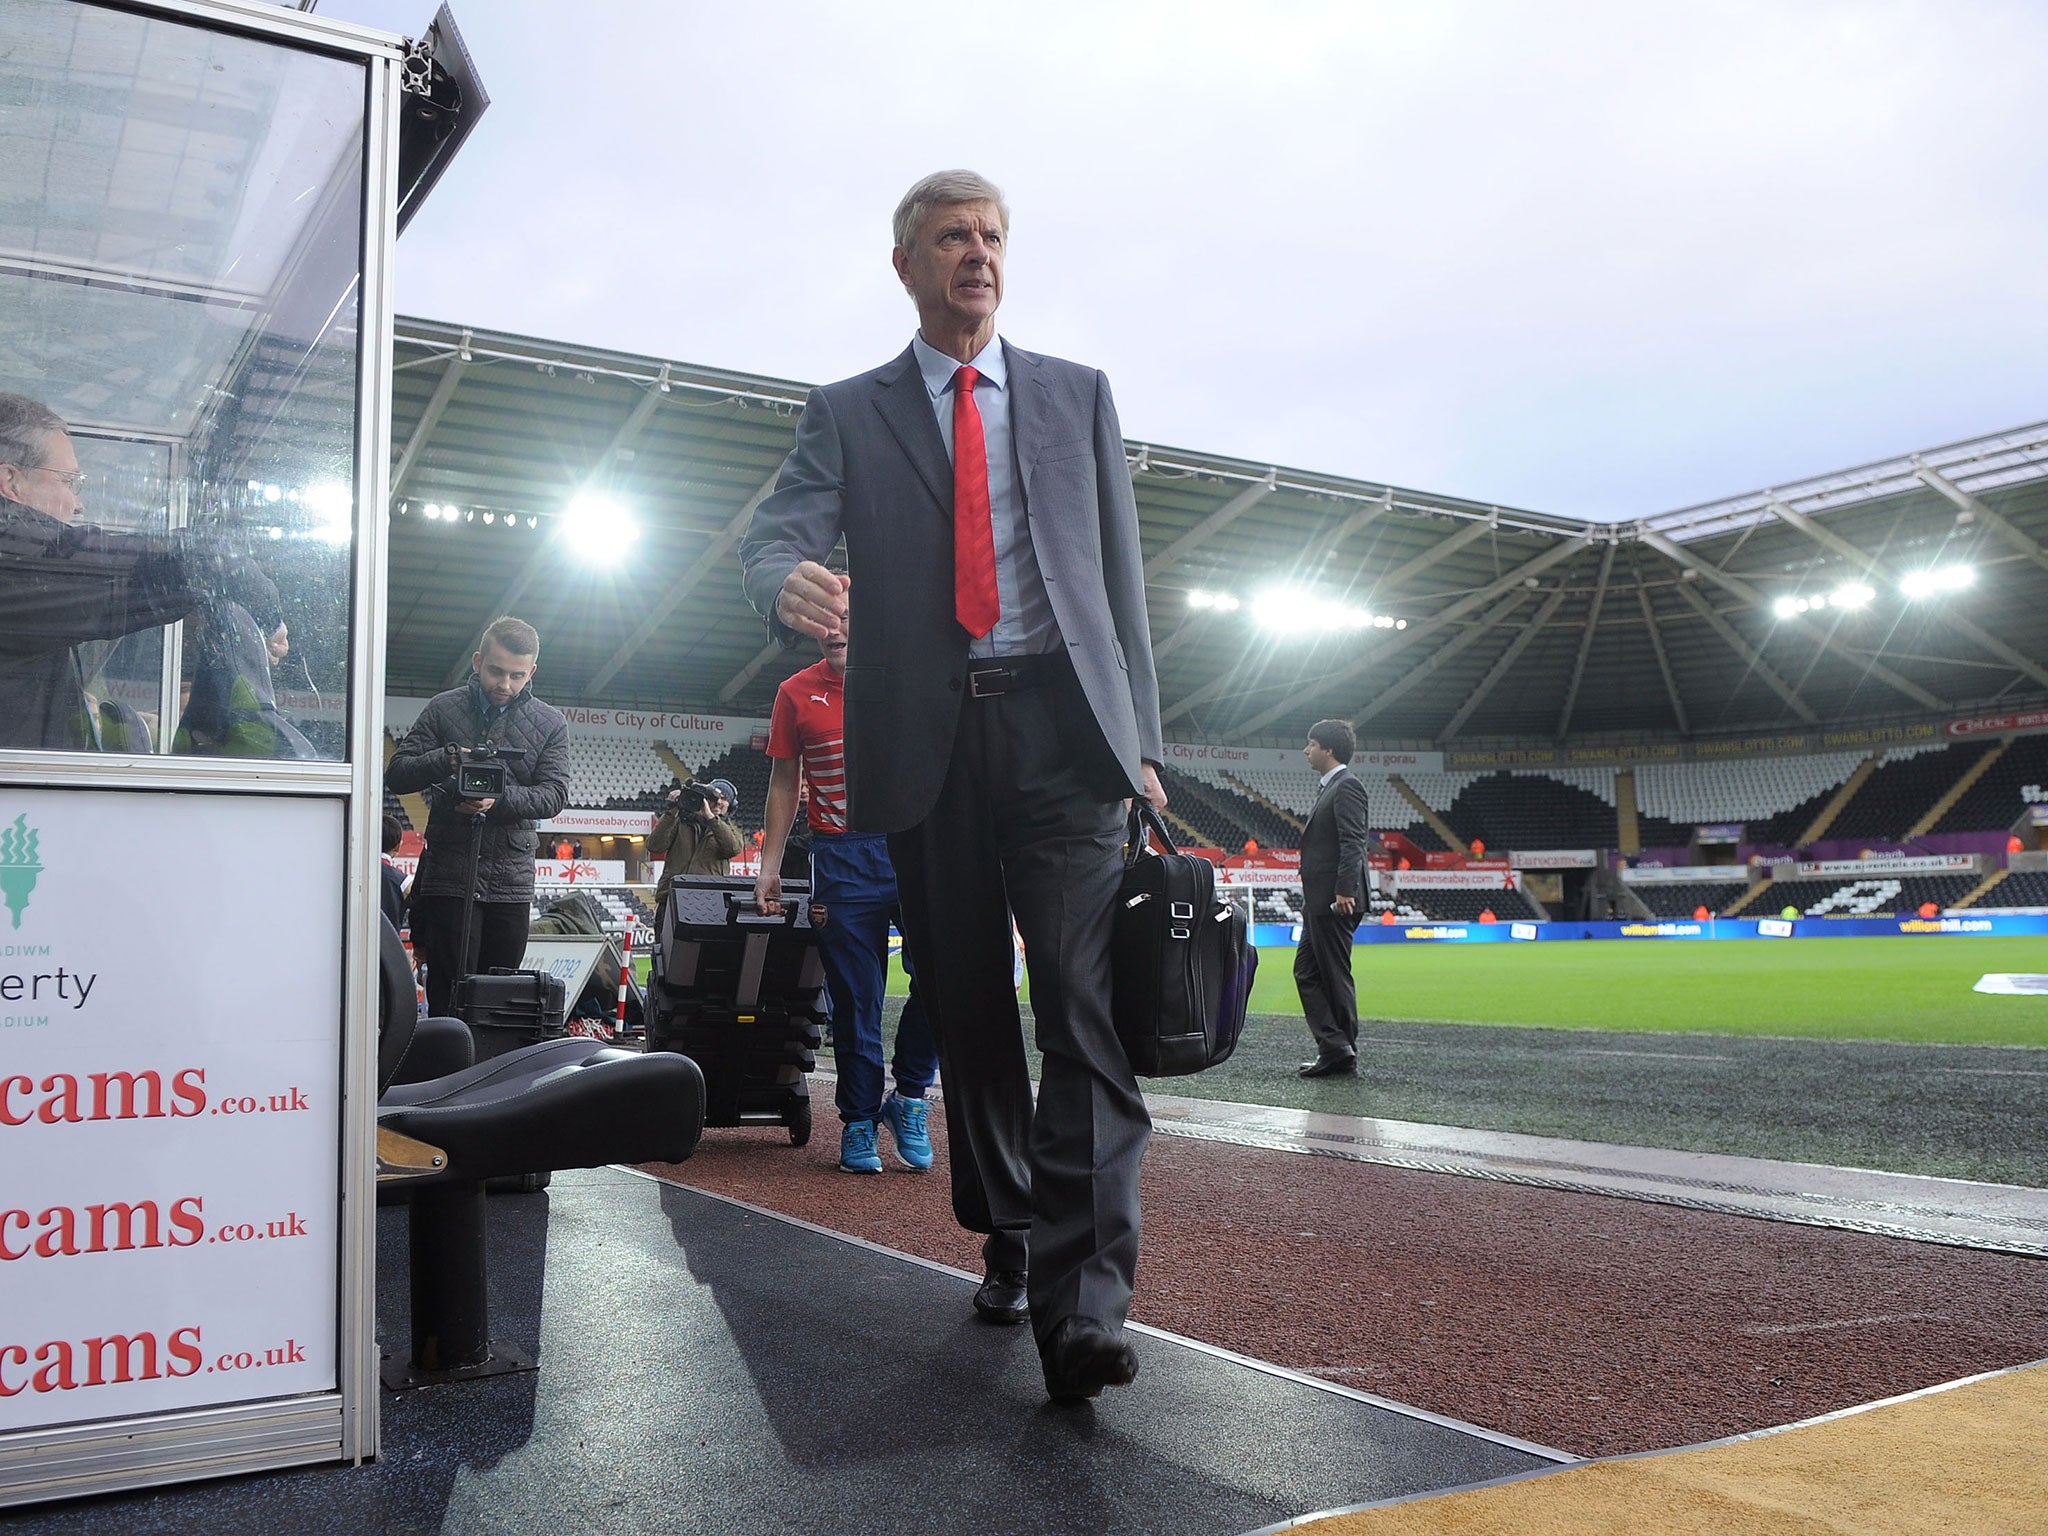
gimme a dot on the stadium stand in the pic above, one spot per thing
(1224, 817)
(1533, 810)
(1775, 798)
(1291, 789)
(1902, 790)
(619, 903)
(614, 773)
(1378, 902)
(2028, 890)
(1877, 894)
(1464, 906)
(1993, 803)
(1682, 900)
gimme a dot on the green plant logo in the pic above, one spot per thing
(18, 866)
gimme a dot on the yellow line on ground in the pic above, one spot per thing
(1965, 1458)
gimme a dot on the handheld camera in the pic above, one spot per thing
(480, 771)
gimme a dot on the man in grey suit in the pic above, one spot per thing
(1001, 709)
(1333, 848)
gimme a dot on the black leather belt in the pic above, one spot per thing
(993, 678)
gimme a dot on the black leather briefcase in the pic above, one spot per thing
(1181, 960)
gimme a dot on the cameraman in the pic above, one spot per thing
(695, 832)
(495, 711)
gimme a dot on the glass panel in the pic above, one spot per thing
(180, 252)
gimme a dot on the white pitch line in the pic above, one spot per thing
(1766, 1330)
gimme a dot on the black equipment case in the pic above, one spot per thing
(508, 1009)
(1181, 960)
(741, 995)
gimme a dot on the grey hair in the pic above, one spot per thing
(24, 425)
(945, 189)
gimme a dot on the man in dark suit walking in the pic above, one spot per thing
(1000, 709)
(1333, 846)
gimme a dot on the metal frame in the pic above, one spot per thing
(142, 1451)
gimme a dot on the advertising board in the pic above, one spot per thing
(170, 1105)
(1556, 858)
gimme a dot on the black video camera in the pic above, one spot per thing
(480, 771)
(696, 795)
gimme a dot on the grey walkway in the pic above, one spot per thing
(708, 1367)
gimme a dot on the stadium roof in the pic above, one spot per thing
(1520, 627)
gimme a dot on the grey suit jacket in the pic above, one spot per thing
(1333, 844)
(869, 463)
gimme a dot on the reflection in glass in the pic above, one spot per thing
(180, 236)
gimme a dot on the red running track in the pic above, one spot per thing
(1593, 1324)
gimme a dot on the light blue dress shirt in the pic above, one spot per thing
(1024, 624)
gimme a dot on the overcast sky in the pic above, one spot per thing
(1595, 259)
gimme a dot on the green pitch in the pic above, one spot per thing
(1906, 989)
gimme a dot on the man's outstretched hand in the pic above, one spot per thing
(813, 600)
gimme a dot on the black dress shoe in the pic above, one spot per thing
(1081, 1357)
(1001, 1298)
(1331, 1066)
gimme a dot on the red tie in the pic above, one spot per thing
(974, 544)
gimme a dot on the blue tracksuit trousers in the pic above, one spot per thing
(850, 874)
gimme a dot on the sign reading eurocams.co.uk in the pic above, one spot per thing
(170, 1056)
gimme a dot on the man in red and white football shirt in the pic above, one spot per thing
(852, 878)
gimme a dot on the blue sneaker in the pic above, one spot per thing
(906, 1121)
(857, 1152)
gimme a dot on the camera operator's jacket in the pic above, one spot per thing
(694, 845)
(536, 787)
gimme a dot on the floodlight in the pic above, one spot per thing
(333, 503)
(598, 529)
(1201, 600)
(1946, 578)
(1853, 595)
(1282, 611)
(1788, 607)
(1291, 611)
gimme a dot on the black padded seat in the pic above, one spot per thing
(411, 1049)
(567, 1103)
(559, 1104)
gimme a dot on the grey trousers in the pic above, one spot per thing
(1016, 830)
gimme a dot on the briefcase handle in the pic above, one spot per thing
(1143, 821)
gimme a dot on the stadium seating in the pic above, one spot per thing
(619, 903)
(1224, 817)
(614, 773)
(1533, 810)
(2028, 890)
(1682, 900)
(1378, 903)
(1775, 798)
(1902, 790)
(1874, 895)
(1993, 803)
(1464, 906)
